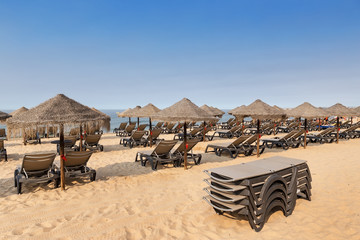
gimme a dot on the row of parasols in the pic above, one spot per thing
(62, 110)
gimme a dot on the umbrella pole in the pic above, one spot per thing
(138, 120)
(319, 124)
(129, 120)
(81, 137)
(185, 152)
(258, 139)
(337, 129)
(62, 173)
(274, 128)
(150, 129)
(305, 133)
(204, 131)
(351, 121)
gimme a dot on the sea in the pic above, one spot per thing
(115, 120)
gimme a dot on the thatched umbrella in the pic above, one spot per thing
(217, 111)
(339, 110)
(17, 112)
(146, 111)
(259, 110)
(307, 111)
(4, 116)
(184, 111)
(58, 110)
(129, 113)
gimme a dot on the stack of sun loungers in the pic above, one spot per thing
(255, 189)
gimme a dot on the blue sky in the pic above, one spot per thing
(118, 54)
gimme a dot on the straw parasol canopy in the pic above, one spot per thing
(146, 111)
(258, 109)
(105, 115)
(240, 109)
(306, 110)
(217, 111)
(340, 110)
(209, 110)
(185, 111)
(357, 111)
(129, 112)
(19, 111)
(4, 116)
(58, 110)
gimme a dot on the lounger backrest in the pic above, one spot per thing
(352, 128)
(37, 162)
(122, 126)
(155, 133)
(74, 131)
(77, 158)
(2, 132)
(289, 135)
(235, 128)
(170, 126)
(250, 140)
(239, 140)
(2, 144)
(181, 148)
(92, 139)
(130, 128)
(72, 139)
(298, 134)
(164, 147)
(159, 124)
(326, 131)
(195, 131)
(142, 127)
(137, 135)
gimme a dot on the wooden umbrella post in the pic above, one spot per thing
(150, 132)
(81, 136)
(204, 131)
(62, 173)
(258, 139)
(319, 123)
(138, 121)
(305, 133)
(129, 120)
(274, 128)
(185, 152)
(337, 129)
(351, 120)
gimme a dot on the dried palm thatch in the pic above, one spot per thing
(258, 109)
(241, 108)
(19, 111)
(128, 112)
(209, 110)
(357, 111)
(306, 110)
(57, 110)
(185, 111)
(217, 111)
(340, 110)
(146, 111)
(4, 116)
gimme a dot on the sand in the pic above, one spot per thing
(128, 201)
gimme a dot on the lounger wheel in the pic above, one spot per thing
(92, 176)
(18, 184)
(56, 183)
(247, 153)
(285, 146)
(16, 173)
(101, 148)
(269, 145)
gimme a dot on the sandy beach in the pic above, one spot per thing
(128, 201)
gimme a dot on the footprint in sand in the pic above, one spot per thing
(46, 226)
(17, 232)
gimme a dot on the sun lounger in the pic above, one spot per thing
(92, 142)
(160, 154)
(127, 131)
(69, 144)
(121, 127)
(76, 165)
(254, 189)
(241, 145)
(3, 152)
(158, 125)
(283, 142)
(226, 133)
(136, 138)
(322, 137)
(168, 128)
(36, 168)
(32, 138)
(3, 134)
(190, 135)
(348, 133)
(154, 137)
(189, 151)
(288, 128)
(142, 127)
